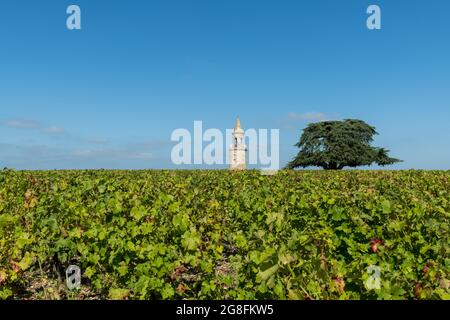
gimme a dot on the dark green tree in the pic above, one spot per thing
(334, 145)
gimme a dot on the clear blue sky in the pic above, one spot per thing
(109, 95)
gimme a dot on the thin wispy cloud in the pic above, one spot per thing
(54, 156)
(294, 120)
(33, 125)
(53, 130)
(95, 140)
(142, 156)
(94, 147)
(21, 124)
(118, 153)
(309, 116)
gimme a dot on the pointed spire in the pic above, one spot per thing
(238, 124)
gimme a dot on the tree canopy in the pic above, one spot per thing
(334, 145)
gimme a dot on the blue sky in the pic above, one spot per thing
(109, 95)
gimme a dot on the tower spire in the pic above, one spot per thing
(238, 123)
(238, 148)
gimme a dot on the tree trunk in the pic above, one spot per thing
(333, 166)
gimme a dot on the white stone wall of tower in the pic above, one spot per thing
(238, 149)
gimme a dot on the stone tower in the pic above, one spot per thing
(238, 149)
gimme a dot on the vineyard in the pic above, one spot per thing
(225, 235)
